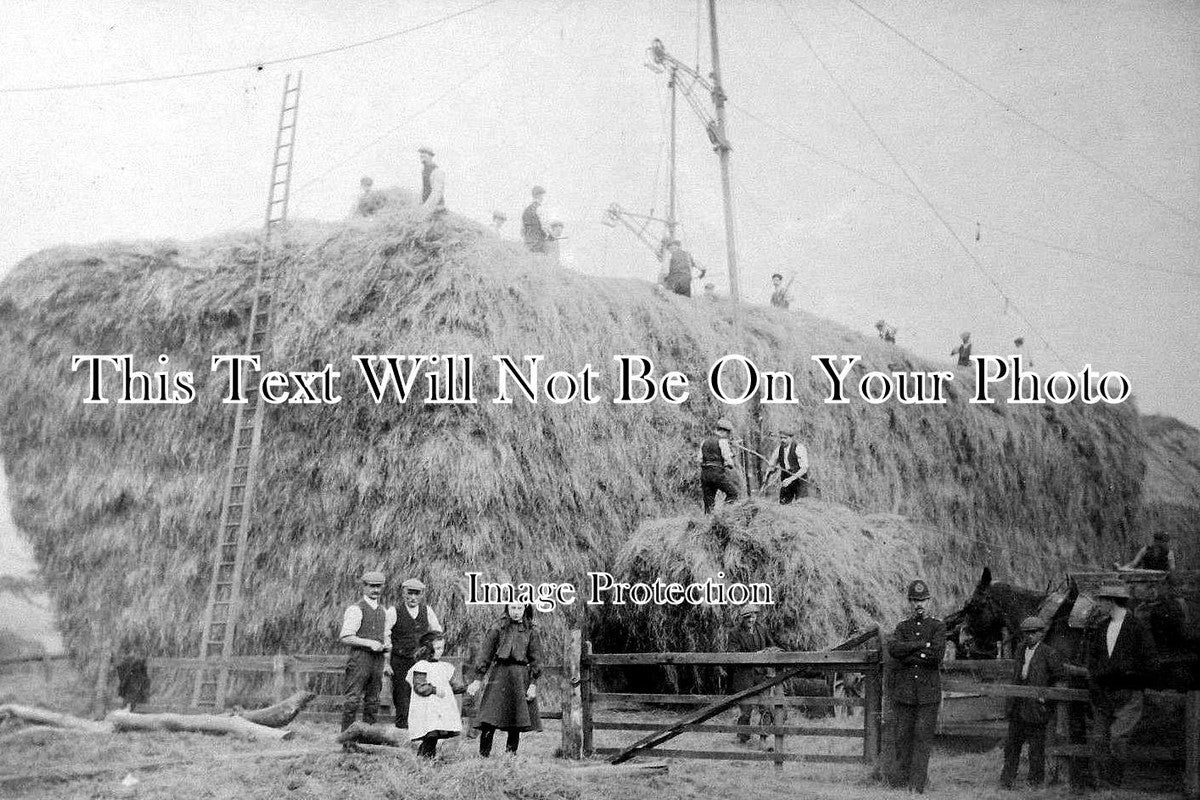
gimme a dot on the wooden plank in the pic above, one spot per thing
(1013, 690)
(993, 667)
(668, 733)
(791, 701)
(585, 696)
(753, 730)
(843, 660)
(872, 717)
(1191, 767)
(26, 659)
(749, 755)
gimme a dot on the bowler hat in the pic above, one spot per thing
(537, 190)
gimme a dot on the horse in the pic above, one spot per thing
(992, 610)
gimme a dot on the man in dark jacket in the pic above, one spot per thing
(917, 646)
(791, 459)
(717, 470)
(532, 230)
(411, 620)
(1121, 659)
(1037, 664)
(750, 637)
(679, 269)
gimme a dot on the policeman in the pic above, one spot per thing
(917, 647)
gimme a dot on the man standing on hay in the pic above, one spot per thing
(532, 230)
(370, 201)
(365, 629)
(433, 184)
(792, 462)
(917, 646)
(410, 622)
(1037, 664)
(1121, 658)
(750, 637)
(717, 467)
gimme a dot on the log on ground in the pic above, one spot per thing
(361, 732)
(196, 723)
(281, 714)
(42, 716)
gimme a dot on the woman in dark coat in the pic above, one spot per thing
(512, 650)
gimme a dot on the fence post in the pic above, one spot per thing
(585, 699)
(100, 691)
(572, 713)
(777, 702)
(1061, 765)
(1191, 727)
(278, 669)
(872, 697)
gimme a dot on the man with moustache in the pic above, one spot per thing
(365, 629)
(410, 621)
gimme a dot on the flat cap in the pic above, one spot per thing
(373, 577)
(1033, 624)
(424, 149)
(723, 424)
(749, 608)
(413, 583)
(1116, 591)
(918, 590)
(538, 190)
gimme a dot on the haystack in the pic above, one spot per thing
(122, 501)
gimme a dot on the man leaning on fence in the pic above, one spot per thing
(1037, 664)
(917, 646)
(366, 629)
(750, 637)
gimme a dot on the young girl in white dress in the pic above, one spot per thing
(433, 713)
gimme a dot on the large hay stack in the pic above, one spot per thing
(122, 501)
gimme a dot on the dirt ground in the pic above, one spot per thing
(37, 763)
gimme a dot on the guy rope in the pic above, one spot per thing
(229, 551)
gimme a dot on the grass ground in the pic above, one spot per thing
(69, 765)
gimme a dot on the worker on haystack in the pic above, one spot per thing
(498, 220)
(750, 637)
(370, 201)
(1156, 555)
(791, 460)
(1121, 658)
(679, 269)
(1018, 345)
(553, 242)
(366, 627)
(412, 620)
(886, 332)
(433, 184)
(918, 646)
(779, 296)
(963, 351)
(710, 291)
(1036, 664)
(717, 466)
(532, 230)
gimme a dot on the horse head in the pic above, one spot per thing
(984, 617)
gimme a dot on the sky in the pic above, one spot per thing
(1086, 99)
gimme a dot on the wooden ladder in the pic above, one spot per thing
(229, 552)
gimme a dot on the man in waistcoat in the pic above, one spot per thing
(917, 647)
(365, 630)
(433, 184)
(532, 231)
(1156, 555)
(411, 621)
(717, 466)
(1037, 664)
(792, 462)
(1121, 659)
(679, 269)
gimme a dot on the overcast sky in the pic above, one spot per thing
(523, 91)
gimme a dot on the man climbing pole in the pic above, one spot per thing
(433, 184)
(717, 466)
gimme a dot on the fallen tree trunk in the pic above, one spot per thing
(373, 734)
(198, 723)
(281, 714)
(41, 716)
